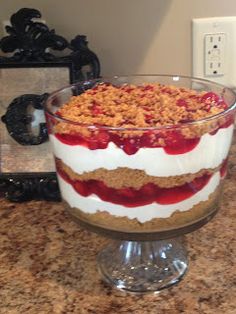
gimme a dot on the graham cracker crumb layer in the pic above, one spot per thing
(177, 220)
(147, 105)
(125, 177)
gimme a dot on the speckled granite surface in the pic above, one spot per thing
(48, 264)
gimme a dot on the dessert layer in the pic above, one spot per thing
(140, 106)
(208, 154)
(130, 197)
(92, 204)
(174, 140)
(133, 117)
(125, 177)
(176, 220)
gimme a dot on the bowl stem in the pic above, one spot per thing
(143, 267)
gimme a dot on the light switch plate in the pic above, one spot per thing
(214, 49)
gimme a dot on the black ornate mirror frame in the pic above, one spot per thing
(30, 41)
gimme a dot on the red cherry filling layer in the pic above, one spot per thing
(175, 143)
(223, 168)
(129, 197)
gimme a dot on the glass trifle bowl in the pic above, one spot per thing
(141, 159)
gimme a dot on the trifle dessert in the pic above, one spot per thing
(140, 157)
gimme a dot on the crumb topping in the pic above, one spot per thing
(129, 108)
(147, 105)
(123, 177)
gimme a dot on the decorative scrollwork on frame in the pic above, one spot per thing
(17, 120)
(32, 41)
(25, 188)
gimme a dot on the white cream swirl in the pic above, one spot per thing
(209, 153)
(93, 203)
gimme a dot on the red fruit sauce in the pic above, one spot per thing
(129, 197)
(147, 194)
(223, 168)
(175, 143)
(174, 140)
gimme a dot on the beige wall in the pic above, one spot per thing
(129, 36)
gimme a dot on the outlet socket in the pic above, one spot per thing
(214, 49)
(214, 54)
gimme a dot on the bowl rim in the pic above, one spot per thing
(175, 77)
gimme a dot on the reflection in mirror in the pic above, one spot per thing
(22, 88)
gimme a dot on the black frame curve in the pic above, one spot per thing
(30, 42)
(19, 187)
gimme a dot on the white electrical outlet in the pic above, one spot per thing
(214, 54)
(214, 49)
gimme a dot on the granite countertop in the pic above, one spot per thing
(48, 264)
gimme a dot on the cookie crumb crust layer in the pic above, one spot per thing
(147, 105)
(125, 177)
(132, 109)
(177, 220)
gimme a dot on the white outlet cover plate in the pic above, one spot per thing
(214, 54)
(214, 25)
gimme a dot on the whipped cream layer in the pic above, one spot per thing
(92, 204)
(209, 153)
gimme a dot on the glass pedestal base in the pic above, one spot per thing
(143, 267)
